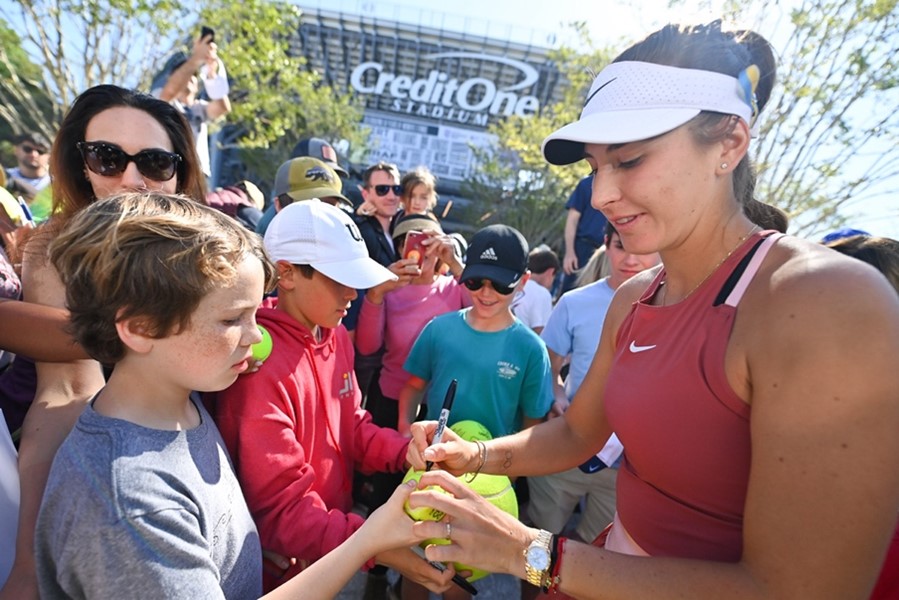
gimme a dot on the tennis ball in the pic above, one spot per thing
(498, 490)
(424, 513)
(471, 431)
(262, 349)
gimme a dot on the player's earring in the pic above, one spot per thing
(724, 166)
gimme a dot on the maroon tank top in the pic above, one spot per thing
(682, 484)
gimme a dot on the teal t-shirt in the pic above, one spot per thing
(503, 375)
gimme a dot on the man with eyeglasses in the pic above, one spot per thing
(31, 175)
(381, 192)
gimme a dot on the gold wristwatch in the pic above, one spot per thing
(537, 558)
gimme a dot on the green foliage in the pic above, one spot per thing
(23, 104)
(514, 184)
(828, 135)
(274, 95)
(75, 44)
(276, 100)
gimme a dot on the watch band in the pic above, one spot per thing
(536, 575)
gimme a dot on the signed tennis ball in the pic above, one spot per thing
(471, 431)
(424, 513)
(499, 491)
(262, 349)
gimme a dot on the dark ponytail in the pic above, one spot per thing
(711, 48)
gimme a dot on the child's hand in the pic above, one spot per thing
(389, 527)
(276, 564)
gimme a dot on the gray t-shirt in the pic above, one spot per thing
(131, 512)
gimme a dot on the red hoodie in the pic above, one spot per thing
(295, 431)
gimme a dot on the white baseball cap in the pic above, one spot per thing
(631, 101)
(324, 237)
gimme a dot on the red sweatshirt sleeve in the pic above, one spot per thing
(381, 449)
(285, 492)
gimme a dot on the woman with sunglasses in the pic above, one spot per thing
(751, 378)
(112, 140)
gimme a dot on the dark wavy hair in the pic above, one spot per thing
(71, 189)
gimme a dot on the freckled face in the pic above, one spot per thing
(214, 349)
(132, 130)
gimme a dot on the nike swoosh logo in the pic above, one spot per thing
(635, 348)
(590, 97)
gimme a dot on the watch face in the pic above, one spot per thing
(538, 558)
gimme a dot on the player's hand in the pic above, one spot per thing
(482, 535)
(452, 454)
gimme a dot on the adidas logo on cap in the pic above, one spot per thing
(488, 254)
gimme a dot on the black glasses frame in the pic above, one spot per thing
(383, 188)
(476, 284)
(109, 160)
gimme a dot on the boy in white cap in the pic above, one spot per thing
(295, 429)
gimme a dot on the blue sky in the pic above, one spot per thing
(615, 23)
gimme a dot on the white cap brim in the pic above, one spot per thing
(566, 145)
(361, 273)
(634, 101)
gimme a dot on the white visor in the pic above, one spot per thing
(631, 101)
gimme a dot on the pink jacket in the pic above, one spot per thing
(398, 321)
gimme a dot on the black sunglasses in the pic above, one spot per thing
(476, 284)
(109, 160)
(382, 189)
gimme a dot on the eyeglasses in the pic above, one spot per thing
(476, 284)
(109, 160)
(29, 149)
(383, 189)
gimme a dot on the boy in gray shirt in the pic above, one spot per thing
(142, 500)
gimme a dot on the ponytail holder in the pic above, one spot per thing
(748, 81)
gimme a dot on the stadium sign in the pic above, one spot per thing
(440, 96)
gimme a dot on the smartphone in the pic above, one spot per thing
(207, 32)
(413, 248)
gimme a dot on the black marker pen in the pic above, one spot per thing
(444, 416)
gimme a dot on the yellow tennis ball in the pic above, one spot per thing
(499, 491)
(471, 431)
(262, 349)
(424, 513)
